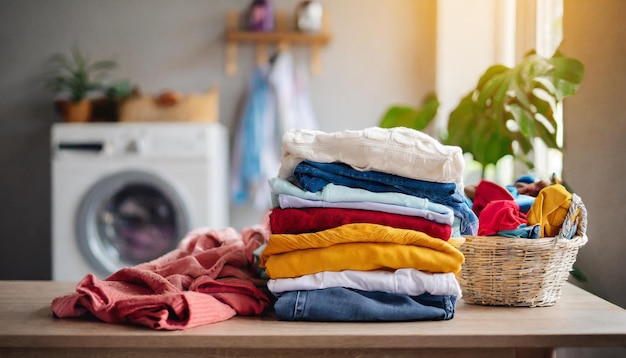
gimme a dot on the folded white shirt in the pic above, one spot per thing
(400, 151)
(405, 281)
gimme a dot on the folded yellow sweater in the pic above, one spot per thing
(353, 233)
(359, 246)
(364, 257)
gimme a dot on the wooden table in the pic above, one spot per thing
(578, 319)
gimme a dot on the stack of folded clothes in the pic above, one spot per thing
(365, 226)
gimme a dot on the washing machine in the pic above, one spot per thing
(126, 193)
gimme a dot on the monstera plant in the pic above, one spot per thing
(507, 109)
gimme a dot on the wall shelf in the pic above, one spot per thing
(277, 37)
(282, 38)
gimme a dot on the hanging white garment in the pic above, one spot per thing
(290, 85)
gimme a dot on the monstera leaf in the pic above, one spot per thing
(509, 106)
(513, 105)
(405, 116)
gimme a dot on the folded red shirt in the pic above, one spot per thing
(304, 220)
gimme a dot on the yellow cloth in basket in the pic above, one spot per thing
(549, 209)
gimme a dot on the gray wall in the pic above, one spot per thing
(595, 128)
(595, 155)
(382, 52)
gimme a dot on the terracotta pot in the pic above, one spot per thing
(76, 112)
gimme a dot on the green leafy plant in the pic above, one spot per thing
(76, 75)
(507, 109)
(119, 90)
(416, 118)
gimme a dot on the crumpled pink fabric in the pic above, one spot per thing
(208, 278)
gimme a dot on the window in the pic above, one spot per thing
(475, 35)
(549, 34)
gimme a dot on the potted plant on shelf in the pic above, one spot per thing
(507, 109)
(74, 78)
(106, 108)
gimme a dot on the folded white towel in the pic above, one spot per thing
(400, 151)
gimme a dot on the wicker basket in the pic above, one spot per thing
(521, 272)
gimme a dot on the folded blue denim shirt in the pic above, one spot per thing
(340, 304)
(314, 176)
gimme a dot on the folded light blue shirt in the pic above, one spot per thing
(336, 193)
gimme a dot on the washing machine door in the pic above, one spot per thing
(129, 218)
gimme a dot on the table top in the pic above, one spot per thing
(577, 319)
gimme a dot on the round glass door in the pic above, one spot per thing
(129, 218)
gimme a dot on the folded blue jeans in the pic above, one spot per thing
(313, 176)
(352, 305)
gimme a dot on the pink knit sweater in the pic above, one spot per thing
(208, 278)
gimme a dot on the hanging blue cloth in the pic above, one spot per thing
(277, 101)
(249, 141)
